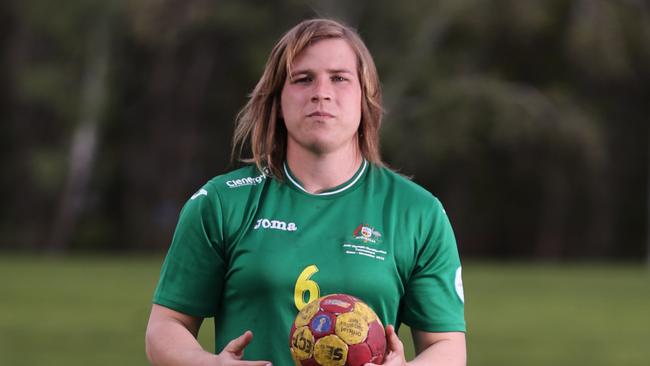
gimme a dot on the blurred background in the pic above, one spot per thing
(530, 120)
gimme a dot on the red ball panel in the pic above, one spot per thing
(376, 338)
(293, 329)
(338, 303)
(359, 354)
(309, 362)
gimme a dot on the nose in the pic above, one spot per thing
(322, 90)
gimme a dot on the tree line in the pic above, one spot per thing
(528, 119)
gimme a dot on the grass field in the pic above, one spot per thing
(93, 311)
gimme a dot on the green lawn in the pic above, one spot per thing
(93, 311)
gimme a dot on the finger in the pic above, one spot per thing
(392, 359)
(387, 361)
(238, 344)
(252, 363)
(392, 355)
(394, 343)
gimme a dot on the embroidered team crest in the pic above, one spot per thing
(367, 233)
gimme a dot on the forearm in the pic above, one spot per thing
(444, 352)
(169, 343)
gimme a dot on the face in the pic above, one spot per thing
(321, 99)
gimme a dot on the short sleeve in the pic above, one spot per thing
(192, 274)
(434, 299)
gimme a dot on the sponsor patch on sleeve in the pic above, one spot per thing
(458, 282)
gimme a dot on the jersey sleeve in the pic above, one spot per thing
(434, 300)
(192, 274)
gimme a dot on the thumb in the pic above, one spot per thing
(237, 345)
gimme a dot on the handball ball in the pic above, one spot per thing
(337, 330)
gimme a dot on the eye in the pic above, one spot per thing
(338, 78)
(301, 79)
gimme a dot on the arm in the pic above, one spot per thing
(444, 349)
(171, 340)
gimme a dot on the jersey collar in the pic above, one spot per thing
(338, 189)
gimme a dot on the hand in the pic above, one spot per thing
(233, 352)
(395, 355)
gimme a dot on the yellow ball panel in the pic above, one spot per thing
(304, 316)
(365, 311)
(302, 343)
(351, 327)
(331, 351)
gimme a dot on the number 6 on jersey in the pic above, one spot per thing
(305, 285)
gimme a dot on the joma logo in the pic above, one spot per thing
(275, 225)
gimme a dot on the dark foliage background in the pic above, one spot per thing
(528, 119)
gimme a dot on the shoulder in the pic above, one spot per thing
(399, 187)
(228, 189)
(234, 183)
(227, 201)
(246, 176)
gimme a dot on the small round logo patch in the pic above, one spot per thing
(321, 324)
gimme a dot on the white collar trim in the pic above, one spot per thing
(356, 179)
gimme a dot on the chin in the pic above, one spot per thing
(321, 145)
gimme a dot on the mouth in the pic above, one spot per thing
(320, 114)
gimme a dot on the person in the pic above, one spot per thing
(315, 212)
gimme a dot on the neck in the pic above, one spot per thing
(319, 172)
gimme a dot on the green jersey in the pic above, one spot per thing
(251, 251)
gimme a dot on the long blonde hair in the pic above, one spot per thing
(259, 122)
